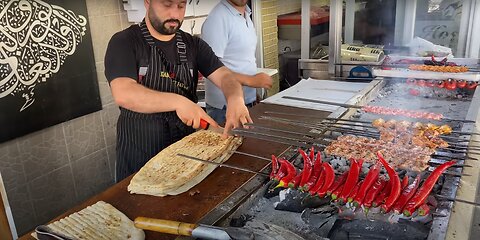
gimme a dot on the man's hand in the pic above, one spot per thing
(237, 115)
(263, 80)
(190, 113)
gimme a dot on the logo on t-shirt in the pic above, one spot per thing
(170, 75)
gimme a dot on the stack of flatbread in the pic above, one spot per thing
(99, 221)
(169, 174)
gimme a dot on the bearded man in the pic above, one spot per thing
(153, 70)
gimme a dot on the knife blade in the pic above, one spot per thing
(223, 165)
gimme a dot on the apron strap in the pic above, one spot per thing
(181, 49)
(181, 46)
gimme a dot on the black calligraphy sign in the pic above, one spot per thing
(47, 68)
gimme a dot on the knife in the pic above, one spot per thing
(207, 126)
(193, 230)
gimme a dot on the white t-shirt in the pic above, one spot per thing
(233, 38)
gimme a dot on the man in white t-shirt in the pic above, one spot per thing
(229, 31)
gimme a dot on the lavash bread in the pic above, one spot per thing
(169, 174)
(98, 221)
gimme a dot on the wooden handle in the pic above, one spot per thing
(165, 226)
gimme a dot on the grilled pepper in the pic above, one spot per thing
(317, 169)
(329, 179)
(395, 187)
(373, 192)
(337, 183)
(354, 191)
(406, 195)
(291, 173)
(275, 167)
(282, 172)
(423, 192)
(382, 195)
(369, 180)
(424, 209)
(319, 183)
(296, 181)
(404, 182)
(307, 167)
(352, 179)
(337, 191)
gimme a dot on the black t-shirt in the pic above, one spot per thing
(124, 48)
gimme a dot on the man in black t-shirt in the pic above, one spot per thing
(153, 69)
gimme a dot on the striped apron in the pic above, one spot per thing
(141, 136)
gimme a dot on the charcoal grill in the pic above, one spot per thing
(249, 207)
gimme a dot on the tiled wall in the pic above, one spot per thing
(270, 40)
(51, 170)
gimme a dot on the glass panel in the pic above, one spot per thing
(438, 21)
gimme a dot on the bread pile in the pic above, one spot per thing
(169, 174)
(99, 221)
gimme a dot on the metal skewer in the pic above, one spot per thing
(223, 165)
(457, 200)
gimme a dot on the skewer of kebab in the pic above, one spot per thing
(383, 110)
(401, 156)
(308, 137)
(452, 69)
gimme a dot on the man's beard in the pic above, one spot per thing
(161, 27)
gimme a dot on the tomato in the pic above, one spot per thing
(451, 84)
(441, 84)
(461, 83)
(421, 83)
(410, 81)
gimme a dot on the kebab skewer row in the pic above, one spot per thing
(373, 190)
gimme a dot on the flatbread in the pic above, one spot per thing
(169, 174)
(99, 221)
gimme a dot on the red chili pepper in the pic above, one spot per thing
(337, 183)
(329, 179)
(370, 179)
(380, 198)
(404, 182)
(354, 192)
(275, 167)
(319, 183)
(337, 191)
(282, 172)
(317, 170)
(424, 209)
(352, 179)
(378, 186)
(312, 153)
(407, 193)
(461, 83)
(307, 167)
(395, 188)
(291, 173)
(423, 192)
(296, 181)
(440, 84)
